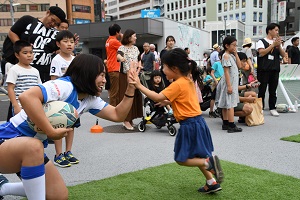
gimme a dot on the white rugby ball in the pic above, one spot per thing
(59, 113)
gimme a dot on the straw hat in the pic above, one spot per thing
(216, 46)
(247, 41)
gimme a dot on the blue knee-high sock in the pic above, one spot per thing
(33, 179)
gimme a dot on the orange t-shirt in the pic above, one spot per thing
(182, 95)
(112, 45)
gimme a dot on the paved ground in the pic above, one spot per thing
(117, 151)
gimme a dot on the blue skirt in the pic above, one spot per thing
(193, 140)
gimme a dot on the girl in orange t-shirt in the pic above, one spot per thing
(193, 144)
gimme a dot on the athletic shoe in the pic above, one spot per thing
(274, 113)
(234, 129)
(3, 180)
(215, 168)
(224, 127)
(213, 115)
(206, 189)
(69, 156)
(61, 161)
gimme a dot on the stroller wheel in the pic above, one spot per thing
(172, 130)
(142, 126)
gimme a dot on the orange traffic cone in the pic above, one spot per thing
(96, 128)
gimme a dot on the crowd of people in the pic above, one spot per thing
(45, 69)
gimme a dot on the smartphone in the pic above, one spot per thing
(256, 84)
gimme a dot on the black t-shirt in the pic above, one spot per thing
(294, 54)
(43, 40)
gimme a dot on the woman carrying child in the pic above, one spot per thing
(227, 96)
(193, 144)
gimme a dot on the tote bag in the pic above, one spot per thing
(256, 117)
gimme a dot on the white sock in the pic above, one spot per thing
(210, 181)
(16, 189)
(35, 188)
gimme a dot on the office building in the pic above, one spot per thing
(253, 13)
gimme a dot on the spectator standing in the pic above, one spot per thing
(21, 76)
(214, 56)
(65, 40)
(41, 34)
(128, 53)
(113, 66)
(204, 61)
(170, 43)
(148, 58)
(157, 56)
(227, 96)
(216, 73)
(293, 52)
(268, 65)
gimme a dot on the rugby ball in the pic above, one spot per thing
(59, 113)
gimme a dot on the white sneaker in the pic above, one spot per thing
(274, 113)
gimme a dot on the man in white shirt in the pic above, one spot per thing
(268, 65)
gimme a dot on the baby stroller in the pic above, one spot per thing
(156, 115)
(206, 96)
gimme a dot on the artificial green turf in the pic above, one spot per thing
(293, 138)
(172, 181)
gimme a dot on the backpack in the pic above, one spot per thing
(8, 46)
(8, 51)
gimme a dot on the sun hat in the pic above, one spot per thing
(247, 41)
(216, 46)
(58, 12)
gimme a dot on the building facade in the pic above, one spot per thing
(253, 13)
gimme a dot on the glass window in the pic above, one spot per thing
(33, 7)
(225, 6)
(260, 30)
(80, 8)
(243, 3)
(45, 7)
(243, 16)
(194, 13)
(203, 24)
(219, 18)
(237, 3)
(20, 8)
(204, 11)
(260, 17)
(4, 8)
(190, 14)
(219, 7)
(199, 12)
(260, 3)
(254, 30)
(231, 5)
(254, 16)
(254, 3)
(237, 16)
(230, 17)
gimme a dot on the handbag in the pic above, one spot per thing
(256, 117)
